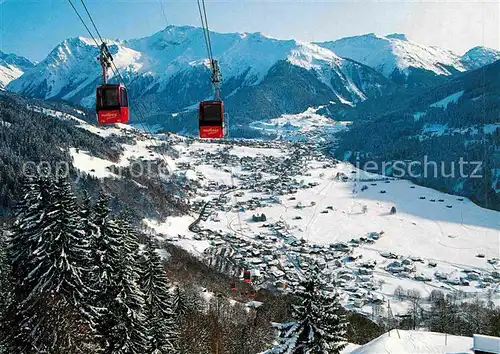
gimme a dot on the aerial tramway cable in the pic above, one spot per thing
(108, 55)
(163, 12)
(92, 21)
(214, 66)
(215, 72)
(84, 24)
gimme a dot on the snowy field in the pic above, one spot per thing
(442, 229)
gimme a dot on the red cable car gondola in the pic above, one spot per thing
(233, 286)
(111, 99)
(112, 104)
(247, 277)
(211, 119)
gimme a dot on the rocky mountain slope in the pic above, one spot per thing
(12, 67)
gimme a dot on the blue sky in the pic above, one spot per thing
(34, 27)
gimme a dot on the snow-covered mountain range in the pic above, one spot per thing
(478, 57)
(397, 57)
(173, 60)
(167, 73)
(12, 66)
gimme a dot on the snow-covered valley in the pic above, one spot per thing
(346, 202)
(318, 210)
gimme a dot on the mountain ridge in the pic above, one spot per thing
(461, 115)
(169, 73)
(12, 66)
(397, 57)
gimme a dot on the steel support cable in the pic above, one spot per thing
(215, 75)
(83, 22)
(163, 12)
(117, 73)
(115, 69)
(92, 20)
(207, 30)
(205, 35)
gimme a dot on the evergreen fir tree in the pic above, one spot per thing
(121, 326)
(319, 327)
(89, 230)
(179, 304)
(106, 243)
(130, 299)
(86, 217)
(5, 291)
(30, 217)
(160, 318)
(48, 256)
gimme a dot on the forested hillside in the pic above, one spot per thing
(455, 120)
(34, 134)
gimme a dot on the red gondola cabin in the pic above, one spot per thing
(111, 104)
(211, 119)
(247, 277)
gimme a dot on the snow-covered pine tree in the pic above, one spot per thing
(5, 290)
(105, 241)
(30, 217)
(106, 244)
(48, 256)
(179, 304)
(120, 328)
(130, 299)
(160, 318)
(319, 327)
(89, 230)
(86, 216)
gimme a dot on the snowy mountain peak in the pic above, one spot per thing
(17, 60)
(399, 36)
(309, 56)
(72, 69)
(12, 66)
(394, 54)
(479, 56)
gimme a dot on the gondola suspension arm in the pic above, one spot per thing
(105, 58)
(216, 77)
